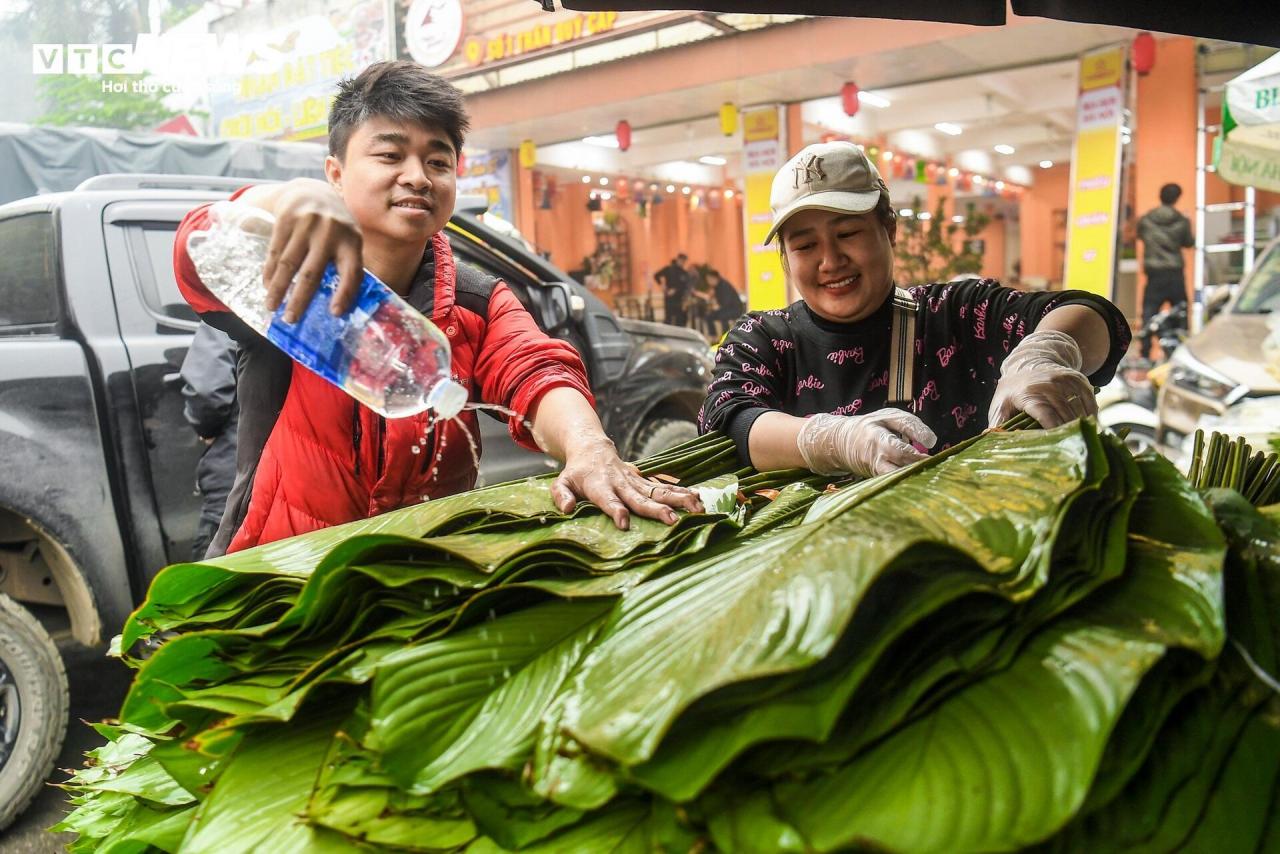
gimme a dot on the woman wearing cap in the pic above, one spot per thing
(859, 376)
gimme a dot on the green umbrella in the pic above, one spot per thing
(1248, 152)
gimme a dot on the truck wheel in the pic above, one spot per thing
(662, 433)
(33, 707)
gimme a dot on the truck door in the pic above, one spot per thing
(157, 324)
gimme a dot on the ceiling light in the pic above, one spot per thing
(671, 188)
(957, 218)
(712, 160)
(999, 185)
(728, 194)
(609, 141)
(925, 215)
(888, 156)
(978, 179)
(604, 182)
(606, 195)
(653, 188)
(906, 212)
(1004, 149)
(949, 129)
(586, 179)
(871, 99)
(1045, 164)
(686, 190)
(953, 172)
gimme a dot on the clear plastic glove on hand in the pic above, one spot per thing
(864, 445)
(1041, 377)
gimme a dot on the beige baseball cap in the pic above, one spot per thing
(828, 176)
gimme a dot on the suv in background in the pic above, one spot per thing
(1224, 365)
(97, 463)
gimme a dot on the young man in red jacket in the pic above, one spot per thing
(309, 455)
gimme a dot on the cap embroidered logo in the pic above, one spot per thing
(809, 171)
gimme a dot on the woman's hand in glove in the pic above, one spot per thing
(863, 445)
(1041, 377)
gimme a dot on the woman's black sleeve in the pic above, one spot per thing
(746, 383)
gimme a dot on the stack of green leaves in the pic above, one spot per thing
(1029, 640)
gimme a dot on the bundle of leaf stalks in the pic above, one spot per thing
(1032, 640)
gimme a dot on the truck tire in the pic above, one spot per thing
(34, 703)
(662, 433)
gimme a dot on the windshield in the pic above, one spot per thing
(1261, 294)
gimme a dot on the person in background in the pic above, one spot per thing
(209, 395)
(729, 303)
(1164, 233)
(676, 282)
(860, 376)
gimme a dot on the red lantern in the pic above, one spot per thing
(462, 164)
(849, 98)
(623, 133)
(1144, 52)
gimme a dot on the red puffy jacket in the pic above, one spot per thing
(326, 459)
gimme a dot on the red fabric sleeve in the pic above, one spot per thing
(517, 363)
(189, 284)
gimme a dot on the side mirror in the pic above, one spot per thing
(1216, 300)
(561, 306)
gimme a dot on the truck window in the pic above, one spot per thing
(152, 247)
(29, 274)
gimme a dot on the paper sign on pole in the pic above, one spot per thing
(764, 155)
(1095, 173)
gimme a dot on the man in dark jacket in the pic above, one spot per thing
(728, 302)
(676, 281)
(209, 387)
(1164, 233)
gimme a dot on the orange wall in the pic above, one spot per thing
(1050, 193)
(993, 260)
(1166, 133)
(707, 235)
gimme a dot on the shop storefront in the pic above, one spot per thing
(616, 141)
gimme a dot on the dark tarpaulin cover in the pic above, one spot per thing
(1249, 21)
(37, 160)
(982, 12)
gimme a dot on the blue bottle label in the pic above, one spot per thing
(316, 340)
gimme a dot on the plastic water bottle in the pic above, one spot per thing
(382, 351)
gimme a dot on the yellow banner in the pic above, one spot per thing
(764, 155)
(1095, 173)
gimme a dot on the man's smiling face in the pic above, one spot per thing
(398, 179)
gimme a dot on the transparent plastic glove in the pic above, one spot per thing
(864, 445)
(1041, 377)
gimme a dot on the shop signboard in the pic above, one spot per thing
(763, 156)
(488, 174)
(1095, 173)
(290, 72)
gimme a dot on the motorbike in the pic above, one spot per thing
(1128, 403)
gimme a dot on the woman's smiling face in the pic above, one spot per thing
(841, 263)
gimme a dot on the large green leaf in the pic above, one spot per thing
(780, 604)
(473, 699)
(257, 801)
(971, 774)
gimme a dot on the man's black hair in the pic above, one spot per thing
(1169, 194)
(682, 257)
(402, 91)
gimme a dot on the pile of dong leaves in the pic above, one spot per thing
(1031, 641)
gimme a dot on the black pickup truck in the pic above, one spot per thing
(97, 462)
